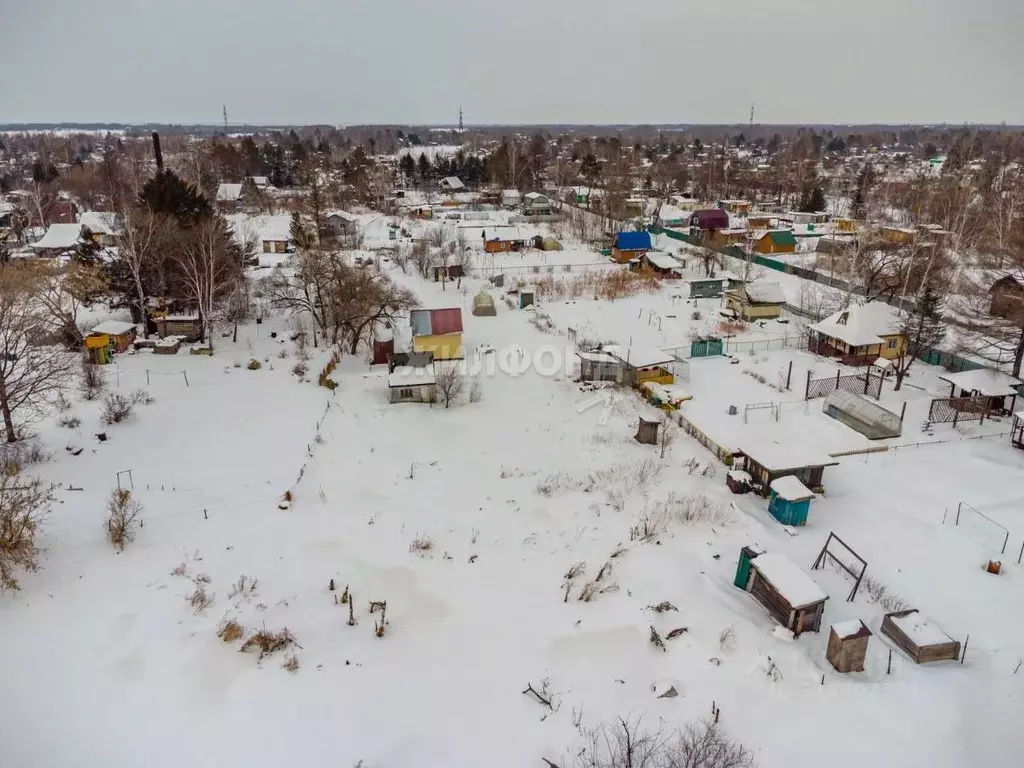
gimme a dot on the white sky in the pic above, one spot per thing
(521, 61)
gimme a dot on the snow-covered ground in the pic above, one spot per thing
(104, 662)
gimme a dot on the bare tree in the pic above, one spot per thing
(627, 743)
(667, 432)
(24, 503)
(31, 375)
(142, 234)
(62, 291)
(449, 381)
(209, 269)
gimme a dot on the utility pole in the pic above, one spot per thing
(225, 119)
(460, 118)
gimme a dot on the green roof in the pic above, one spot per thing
(782, 237)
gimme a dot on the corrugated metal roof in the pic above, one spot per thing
(782, 237)
(633, 241)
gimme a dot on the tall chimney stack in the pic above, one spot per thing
(157, 153)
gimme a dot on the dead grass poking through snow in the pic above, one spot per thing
(291, 663)
(200, 599)
(608, 285)
(230, 631)
(245, 589)
(421, 545)
(268, 643)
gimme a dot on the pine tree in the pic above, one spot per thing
(424, 166)
(924, 329)
(167, 193)
(813, 201)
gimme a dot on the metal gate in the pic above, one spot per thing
(705, 347)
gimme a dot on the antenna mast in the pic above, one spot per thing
(751, 114)
(460, 118)
(225, 119)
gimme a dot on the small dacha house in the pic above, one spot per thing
(759, 300)
(630, 245)
(860, 334)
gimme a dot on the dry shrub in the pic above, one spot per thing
(142, 397)
(607, 284)
(24, 504)
(230, 631)
(300, 370)
(629, 743)
(244, 589)
(576, 569)
(254, 365)
(116, 408)
(697, 508)
(179, 570)
(69, 422)
(199, 598)
(421, 544)
(268, 643)
(16, 456)
(122, 519)
(291, 663)
(731, 327)
(878, 593)
(92, 381)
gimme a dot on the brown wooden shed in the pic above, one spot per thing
(848, 645)
(789, 595)
(917, 637)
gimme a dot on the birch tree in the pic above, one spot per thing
(208, 269)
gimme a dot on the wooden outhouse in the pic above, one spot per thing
(766, 461)
(848, 645)
(789, 500)
(791, 596)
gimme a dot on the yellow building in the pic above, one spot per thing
(758, 300)
(446, 346)
(845, 225)
(898, 235)
(860, 334)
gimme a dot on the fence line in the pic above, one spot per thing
(857, 383)
(722, 454)
(944, 410)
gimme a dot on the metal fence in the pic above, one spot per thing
(858, 383)
(762, 345)
(945, 410)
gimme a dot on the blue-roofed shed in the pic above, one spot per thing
(630, 245)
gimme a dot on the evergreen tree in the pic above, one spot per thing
(858, 208)
(813, 200)
(167, 193)
(924, 328)
(424, 166)
(407, 166)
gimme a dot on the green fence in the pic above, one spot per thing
(705, 347)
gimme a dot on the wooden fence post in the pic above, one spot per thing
(807, 388)
(838, 373)
(903, 410)
(789, 375)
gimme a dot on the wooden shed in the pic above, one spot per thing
(98, 349)
(767, 461)
(122, 334)
(598, 366)
(916, 636)
(791, 596)
(188, 326)
(848, 645)
(647, 432)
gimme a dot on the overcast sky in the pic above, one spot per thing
(511, 61)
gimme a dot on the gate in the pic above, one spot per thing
(709, 347)
(945, 410)
(858, 383)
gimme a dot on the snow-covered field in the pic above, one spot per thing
(104, 662)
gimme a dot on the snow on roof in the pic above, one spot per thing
(260, 181)
(59, 237)
(100, 222)
(776, 457)
(663, 260)
(536, 196)
(596, 357)
(791, 489)
(789, 580)
(497, 233)
(761, 292)
(861, 325)
(343, 215)
(411, 376)
(510, 193)
(113, 327)
(984, 381)
(850, 628)
(229, 192)
(638, 357)
(453, 182)
(915, 626)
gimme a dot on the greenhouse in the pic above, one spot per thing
(483, 305)
(860, 414)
